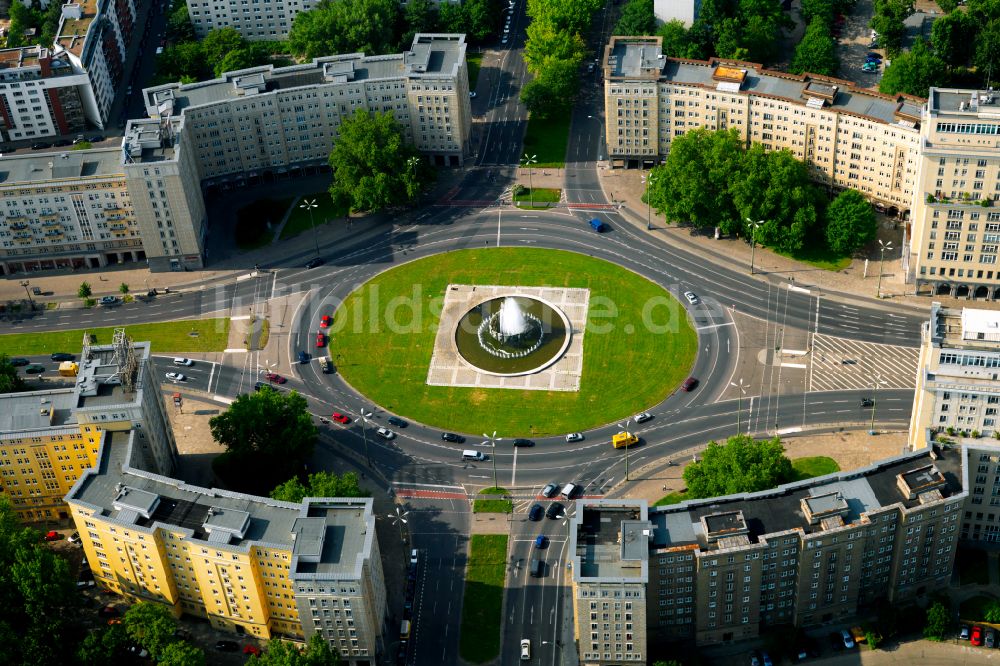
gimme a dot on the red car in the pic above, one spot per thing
(324, 321)
(320, 339)
(274, 377)
(251, 649)
(53, 536)
(977, 636)
(689, 384)
(340, 418)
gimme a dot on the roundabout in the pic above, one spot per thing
(538, 311)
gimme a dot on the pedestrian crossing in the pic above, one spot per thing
(838, 364)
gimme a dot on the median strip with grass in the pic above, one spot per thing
(189, 335)
(546, 140)
(300, 220)
(494, 503)
(482, 606)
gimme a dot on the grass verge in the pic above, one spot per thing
(546, 139)
(806, 468)
(166, 337)
(298, 219)
(540, 195)
(819, 257)
(473, 61)
(672, 498)
(252, 222)
(383, 337)
(493, 505)
(265, 331)
(483, 602)
(972, 566)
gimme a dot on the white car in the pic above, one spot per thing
(183, 361)
(691, 298)
(642, 417)
(385, 433)
(175, 376)
(414, 557)
(525, 649)
(574, 437)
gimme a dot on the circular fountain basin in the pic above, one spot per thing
(546, 338)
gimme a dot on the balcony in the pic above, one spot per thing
(965, 199)
(18, 226)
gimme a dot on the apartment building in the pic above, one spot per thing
(850, 137)
(723, 569)
(41, 94)
(957, 392)
(259, 20)
(956, 229)
(70, 209)
(266, 119)
(685, 11)
(48, 439)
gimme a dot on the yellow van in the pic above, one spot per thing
(623, 440)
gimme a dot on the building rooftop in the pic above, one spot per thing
(75, 23)
(430, 55)
(810, 506)
(332, 538)
(36, 410)
(64, 165)
(967, 328)
(102, 379)
(610, 540)
(637, 58)
(972, 102)
(148, 140)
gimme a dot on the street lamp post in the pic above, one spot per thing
(624, 427)
(739, 405)
(882, 248)
(650, 178)
(25, 283)
(399, 519)
(876, 383)
(309, 205)
(492, 441)
(528, 161)
(753, 239)
(364, 433)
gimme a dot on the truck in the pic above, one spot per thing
(68, 369)
(624, 440)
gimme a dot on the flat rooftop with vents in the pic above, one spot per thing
(609, 541)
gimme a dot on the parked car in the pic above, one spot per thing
(642, 417)
(551, 490)
(62, 356)
(766, 658)
(845, 635)
(39, 146)
(341, 418)
(18, 361)
(452, 437)
(991, 638)
(754, 658)
(414, 557)
(963, 632)
(869, 67)
(574, 437)
(34, 369)
(977, 636)
(74, 537)
(175, 376)
(227, 646)
(97, 138)
(689, 384)
(274, 377)
(251, 649)
(108, 611)
(873, 56)
(385, 433)
(186, 362)
(691, 298)
(536, 512)
(556, 510)
(396, 421)
(52, 535)
(520, 441)
(62, 143)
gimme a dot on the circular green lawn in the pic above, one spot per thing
(638, 345)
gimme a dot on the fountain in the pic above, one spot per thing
(512, 335)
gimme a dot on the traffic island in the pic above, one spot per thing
(493, 500)
(482, 604)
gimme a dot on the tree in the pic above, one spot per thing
(217, 44)
(992, 612)
(280, 653)
(345, 26)
(102, 646)
(676, 40)
(320, 484)
(373, 165)
(888, 22)
(552, 91)
(987, 49)
(179, 27)
(817, 52)
(741, 465)
(419, 16)
(637, 19)
(123, 288)
(270, 430)
(850, 223)
(180, 653)
(482, 19)
(691, 187)
(937, 622)
(151, 625)
(10, 380)
(451, 18)
(729, 43)
(947, 6)
(913, 72)
(873, 639)
(952, 38)
(546, 43)
(817, 9)
(84, 290)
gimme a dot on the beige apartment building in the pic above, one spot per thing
(723, 569)
(849, 136)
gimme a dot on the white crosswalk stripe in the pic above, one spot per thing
(837, 364)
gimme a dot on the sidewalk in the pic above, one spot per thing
(625, 187)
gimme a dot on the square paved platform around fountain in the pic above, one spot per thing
(449, 369)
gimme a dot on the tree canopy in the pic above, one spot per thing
(637, 18)
(320, 484)
(268, 434)
(280, 653)
(222, 50)
(850, 223)
(741, 465)
(345, 26)
(151, 625)
(888, 22)
(181, 653)
(10, 380)
(937, 622)
(374, 167)
(817, 52)
(913, 72)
